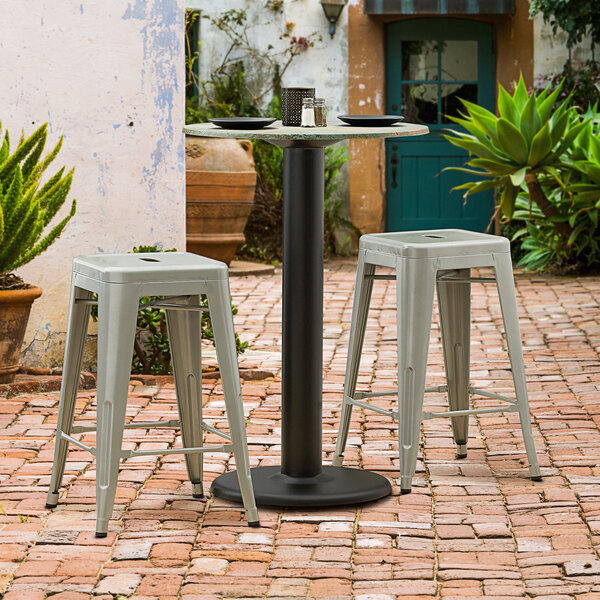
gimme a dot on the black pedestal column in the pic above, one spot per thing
(302, 480)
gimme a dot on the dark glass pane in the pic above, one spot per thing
(450, 98)
(459, 60)
(420, 60)
(420, 102)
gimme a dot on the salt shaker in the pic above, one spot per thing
(308, 112)
(320, 112)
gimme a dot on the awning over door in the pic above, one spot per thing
(439, 7)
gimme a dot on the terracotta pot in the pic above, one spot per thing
(220, 183)
(14, 314)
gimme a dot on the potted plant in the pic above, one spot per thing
(27, 208)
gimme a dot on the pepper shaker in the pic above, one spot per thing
(320, 112)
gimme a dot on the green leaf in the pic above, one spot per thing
(521, 96)
(541, 145)
(12, 199)
(507, 202)
(479, 186)
(24, 148)
(5, 148)
(507, 107)
(512, 142)
(545, 106)
(518, 177)
(493, 167)
(530, 120)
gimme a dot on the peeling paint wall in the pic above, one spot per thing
(109, 77)
(551, 51)
(323, 67)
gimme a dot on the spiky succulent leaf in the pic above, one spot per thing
(507, 107)
(25, 208)
(23, 149)
(33, 159)
(530, 120)
(13, 200)
(541, 146)
(47, 240)
(512, 142)
(5, 148)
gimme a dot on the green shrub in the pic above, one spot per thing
(542, 160)
(27, 207)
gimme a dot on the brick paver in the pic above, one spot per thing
(472, 528)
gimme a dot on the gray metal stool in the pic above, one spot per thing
(120, 280)
(424, 260)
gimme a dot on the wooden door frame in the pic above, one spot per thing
(366, 94)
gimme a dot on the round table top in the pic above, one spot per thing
(336, 131)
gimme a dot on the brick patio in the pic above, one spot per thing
(471, 528)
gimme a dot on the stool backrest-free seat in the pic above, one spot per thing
(424, 261)
(120, 280)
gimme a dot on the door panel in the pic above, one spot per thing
(430, 64)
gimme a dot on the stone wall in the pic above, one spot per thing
(109, 77)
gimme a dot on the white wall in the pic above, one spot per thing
(550, 51)
(109, 77)
(324, 66)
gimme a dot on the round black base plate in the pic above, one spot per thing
(334, 486)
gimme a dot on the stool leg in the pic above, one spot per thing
(508, 304)
(79, 315)
(360, 310)
(219, 302)
(117, 317)
(415, 284)
(454, 300)
(184, 329)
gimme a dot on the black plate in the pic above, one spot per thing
(242, 122)
(370, 120)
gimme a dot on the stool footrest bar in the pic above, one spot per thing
(130, 453)
(386, 277)
(361, 395)
(470, 411)
(473, 390)
(154, 304)
(465, 279)
(382, 411)
(142, 425)
(197, 450)
(72, 440)
(216, 431)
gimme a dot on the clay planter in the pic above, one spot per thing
(220, 183)
(14, 314)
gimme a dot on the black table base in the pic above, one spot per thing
(333, 486)
(301, 480)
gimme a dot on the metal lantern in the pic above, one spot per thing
(333, 10)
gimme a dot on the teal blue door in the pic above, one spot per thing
(430, 64)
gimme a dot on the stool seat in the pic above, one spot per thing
(434, 242)
(180, 280)
(149, 266)
(425, 262)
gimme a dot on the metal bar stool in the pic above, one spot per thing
(424, 260)
(120, 280)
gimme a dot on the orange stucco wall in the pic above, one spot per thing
(366, 94)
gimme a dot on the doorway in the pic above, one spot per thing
(430, 64)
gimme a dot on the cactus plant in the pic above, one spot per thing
(26, 206)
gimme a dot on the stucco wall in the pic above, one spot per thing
(324, 66)
(550, 51)
(109, 77)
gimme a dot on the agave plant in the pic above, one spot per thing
(522, 145)
(26, 206)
